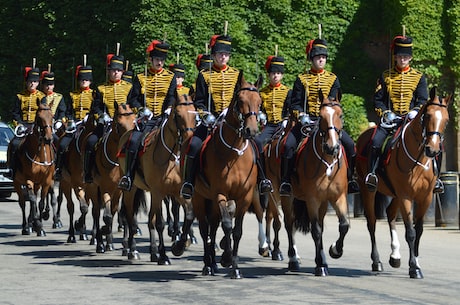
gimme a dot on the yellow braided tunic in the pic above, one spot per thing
(221, 84)
(155, 88)
(273, 99)
(312, 83)
(114, 93)
(29, 104)
(81, 103)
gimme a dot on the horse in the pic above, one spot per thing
(35, 170)
(72, 181)
(407, 176)
(159, 172)
(321, 178)
(226, 186)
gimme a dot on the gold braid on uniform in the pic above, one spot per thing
(221, 85)
(401, 87)
(312, 82)
(53, 100)
(114, 93)
(29, 104)
(155, 89)
(183, 90)
(81, 103)
(273, 100)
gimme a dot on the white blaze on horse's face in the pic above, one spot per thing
(333, 136)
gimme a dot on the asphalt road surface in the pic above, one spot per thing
(47, 270)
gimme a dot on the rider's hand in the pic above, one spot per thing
(388, 117)
(412, 114)
(262, 118)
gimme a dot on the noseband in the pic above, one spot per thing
(431, 133)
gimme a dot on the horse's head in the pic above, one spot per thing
(246, 105)
(184, 114)
(330, 124)
(434, 116)
(125, 116)
(44, 123)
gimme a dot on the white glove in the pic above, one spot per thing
(20, 131)
(262, 118)
(145, 113)
(411, 115)
(107, 118)
(304, 118)
(168, 111)
(85, 118)
(284, 123)
(57, 125)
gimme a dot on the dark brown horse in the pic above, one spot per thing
(159, 173)
(226, 187)
(322, 179)
(407, 176)
(35, 170)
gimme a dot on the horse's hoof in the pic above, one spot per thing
(277, 255)
(415, 273)
(395, 262)
(100, 248)
(109, 247)
(170, 231)
(121, 229)
(78, 226)
(71, 240)
(193, 240)
(178, 248)
(293, 266)
(134, 255)
(226, 259)
(92, 242)
(83, 237)
(377, 267)
(41, 233)
(58, 224)
(164, 261)
(334, 253)
(25, 231)
(207, 271)
(321, 271)
(265, 252)
(236, 274)
(46, 215)
(138, 232)
(154, 258)
(124, 252)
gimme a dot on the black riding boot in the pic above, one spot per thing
(126, 182)
(439, 186)
(88, 163)
(190, 168)
(59, 161)
(371, 179)
(287, 166)
(11, 161)
(265, 185)
(353, 186)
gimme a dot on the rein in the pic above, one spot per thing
(42, 140)
(330, 166)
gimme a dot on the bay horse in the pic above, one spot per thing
(226, 186)
(407, 176)
(159, 172)
(321, 178)
(35, 170)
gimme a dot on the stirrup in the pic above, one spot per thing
(186, 191)
(285, 189)
(371, 182)
(125, 183)
(438, 187)
(353, 187)
(265, 186)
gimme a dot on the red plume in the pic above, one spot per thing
(393, 42)
(42, 75)
(151, 46)
(309, 46)
(171, 67)
(268, 62)
(26, 71)
(198, 60)
(213, 40)
(109, 58)
(77, 70)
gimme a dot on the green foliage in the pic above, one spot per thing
(354, 115)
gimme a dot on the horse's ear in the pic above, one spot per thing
(449, 99)
(433, 92)
(259, 81)
(240, 81)
(339, 95)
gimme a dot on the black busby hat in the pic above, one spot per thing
(316, 47)
(84, 73)
(220, 43)
(402, 45)
(274, 64)
(128, 76)
(47, 78)
(178, 69)
(203, 61)
(158, 49)
(31, 74)
(115, 62)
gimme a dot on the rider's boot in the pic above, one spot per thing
(287, 167)
(353, 186)
(59, 161)
(372, 180)
(439, 186)
(126, 182)
(265, 185)
(88, 163)
(190, 167)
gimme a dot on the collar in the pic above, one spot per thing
(314, 71)
(50, 93)
(402, 70)
(275, 86)
(214, 67)
(151, 70)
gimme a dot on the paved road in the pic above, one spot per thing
(47, 270)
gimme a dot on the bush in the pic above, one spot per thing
(354, 115)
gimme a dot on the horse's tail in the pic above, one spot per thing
(140, 201)
(301, 217)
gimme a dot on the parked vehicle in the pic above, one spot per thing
(6, 184)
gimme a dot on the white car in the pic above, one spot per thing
(6, 185)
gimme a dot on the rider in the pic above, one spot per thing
(24, 110)
(179, 71)
(203, 61)
(106, 97)
(306, 105)
(400, 91)
(276, 99)
(80, 107)
(153, 95)
(214, 92)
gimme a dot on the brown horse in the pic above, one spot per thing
(159, 173)
(227, 184)
(322, 179)
(72, 181)
(407, 176)
(35, 170)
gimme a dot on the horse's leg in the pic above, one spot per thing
(163, 259)
(129, 245)
(44, 206)
(97, 232)
(237, 233)
(57, 224)
(368, 200)
(287, 206)
(80, 223)
(341, 208)
(169, 219)
(22, 205)
(66, 190)
(317, 211)
(178, 246)
(277, 255)
(191, 236)
(227, 209)
(107, 217)
(36, 212)
(392, 212)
